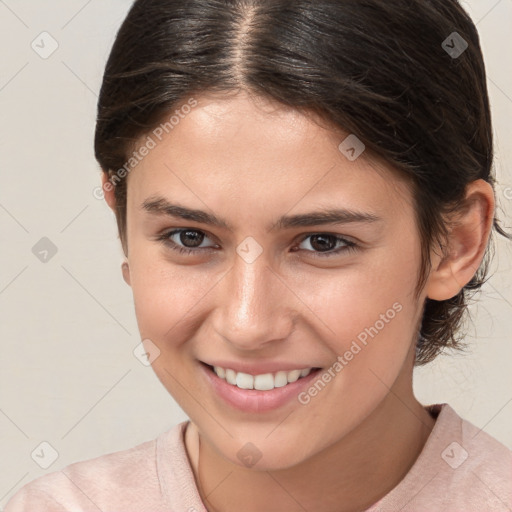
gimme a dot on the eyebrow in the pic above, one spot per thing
(161, 206)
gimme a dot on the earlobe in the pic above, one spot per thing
(443, 283)
(125, 269)
(467, 240)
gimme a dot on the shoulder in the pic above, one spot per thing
(473, 470)
(485, 463)
(461, 468)
(469, 446)
(117, 479)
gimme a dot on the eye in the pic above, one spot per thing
(189, 241)
(190, 238)
(326, 243)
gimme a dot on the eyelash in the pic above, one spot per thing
(165, 238)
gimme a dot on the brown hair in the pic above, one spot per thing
(397, 74)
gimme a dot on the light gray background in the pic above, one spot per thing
(68, 375)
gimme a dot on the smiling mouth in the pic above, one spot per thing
(261, 382)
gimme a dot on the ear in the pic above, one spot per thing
(109, 195)
(108, 190)
(468, 234)
(125, 267)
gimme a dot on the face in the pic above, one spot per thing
(275, 284)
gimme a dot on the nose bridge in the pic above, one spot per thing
(251, 305)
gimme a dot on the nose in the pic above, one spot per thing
(255, 307)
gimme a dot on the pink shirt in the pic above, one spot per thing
(460, 469)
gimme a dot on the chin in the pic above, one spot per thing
(259, 453)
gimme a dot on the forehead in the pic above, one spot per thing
(252, 150)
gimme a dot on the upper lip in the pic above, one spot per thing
(258, 368)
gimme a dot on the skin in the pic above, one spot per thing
(250, 161)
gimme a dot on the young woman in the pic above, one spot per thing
(304, 195)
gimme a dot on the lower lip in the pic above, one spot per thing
(254, 400)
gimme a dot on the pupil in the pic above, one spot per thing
(324, 244)
(195, 236)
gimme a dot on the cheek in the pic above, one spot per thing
(368, 315)
(163, 312)
(349, 300)
(166, 296)
(358, 302)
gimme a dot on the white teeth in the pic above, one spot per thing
(244, 381)
(230, 377)
(220, 372)
(293, 375)
(263, 382)
(280, 379)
